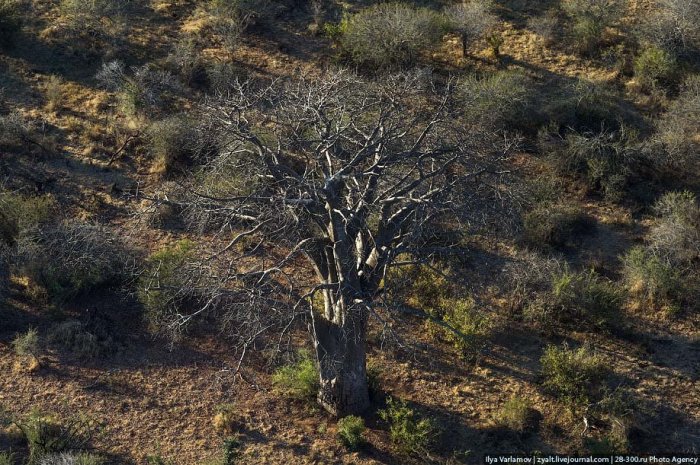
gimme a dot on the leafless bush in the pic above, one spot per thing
(140, 88)
(390, 35)
(186, 61)
(678, 130)
(470, 20)
(675, 26)
(14, 129)
(72, 458)
(70, 258)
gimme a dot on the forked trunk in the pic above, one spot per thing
(342, 365)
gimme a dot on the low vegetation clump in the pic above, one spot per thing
(555, 226)
(676, 128)
(411, 433)
(673, 26)
(27, 344)
(575, 299)
(655, 67)
(46, 436)
(299, 380)
(574, 376)
(606, 161)
(501, 100)
(74, 337)
(10, 21)
(172, 143)
(467, 327)
(589, 20)
(470, 20)
(351, 431)
(7, 458)
(390, 35)
(162, 287)
(515, 414)
(140, 90)
(663, 273)
(68, 259)
(15, 130)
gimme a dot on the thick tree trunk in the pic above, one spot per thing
(342, 365)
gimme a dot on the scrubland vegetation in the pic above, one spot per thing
(284, 231)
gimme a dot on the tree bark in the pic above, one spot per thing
(342, 357)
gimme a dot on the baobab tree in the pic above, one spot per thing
(339, 177)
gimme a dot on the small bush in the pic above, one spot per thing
(350, 431)
(655, 282)
(555, 226)
(75, 338)
(53, 93)
(231, 451)
(27, 344)
(469, 20)
(463, 316)
(574, 376)
(172, 143)
(546, 26)
(676, 235)
(47, 436)
(502, 100)
(68, 259)
(654, 67)
(186, 61)
(589, 19)
(606, 161)
(20, 214)
(674, 26)
(7, 458)
(299, 380)
(226, 419)
(162, 287)
(515, 414)
(81, 458)
(10, 21)
(93, 12)
(577, 298)
(412, 435)
(141, 89)
(677, 130)
(390, 35)
(15, 130)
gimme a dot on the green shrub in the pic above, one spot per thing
(606, 161)
(172, 143)
(655, 66)
(46, 435)
(231, 451)
(161, 288)
(546, 26)
(515, 414)
(682, 119)
(186, 61)
(420, 286)
(68, 259)
(299, 380)
(589, 19)
(676, 235)
(656, 282)
(10, 21)
(502, 100)
(350, 431)
(74, 337)
(555, 225)
(390, 35)
(574, 376)
(27, 344)
(412, 434)
(577, 298)
(19, 214)
(7, 458)
(463, 316)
